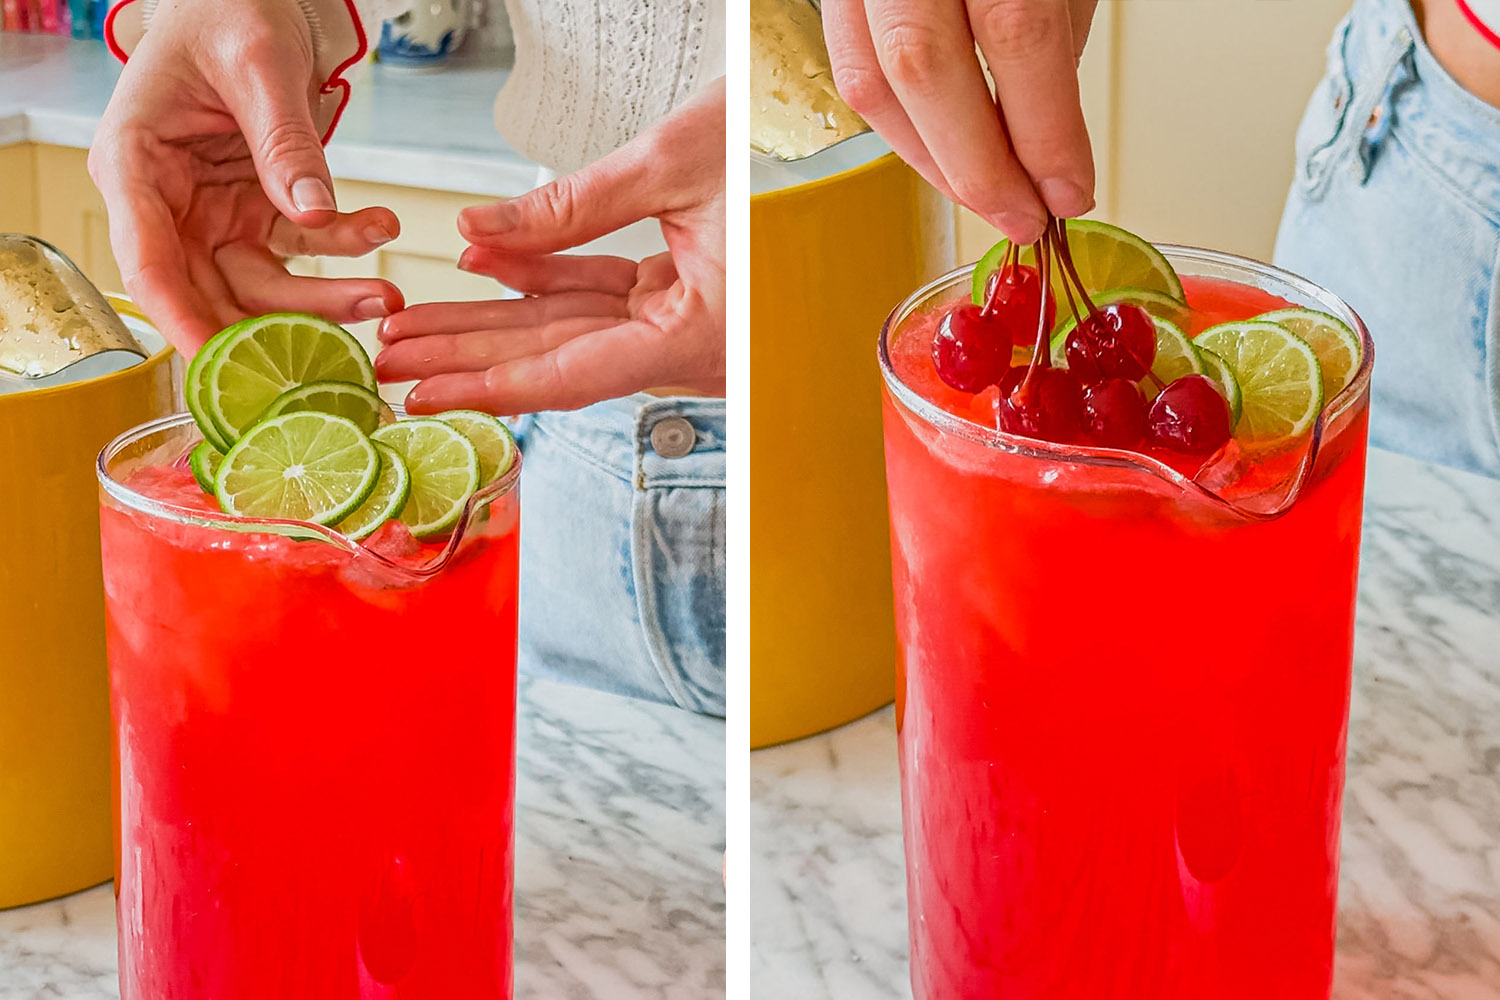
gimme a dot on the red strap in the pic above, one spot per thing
(1478, 23)
(335, 81)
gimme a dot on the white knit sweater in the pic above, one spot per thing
(592, 74)
(589, 74)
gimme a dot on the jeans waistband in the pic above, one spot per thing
(617, 436)
(1399, 87)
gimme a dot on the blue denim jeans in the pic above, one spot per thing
(622, 548)
(1396, 208)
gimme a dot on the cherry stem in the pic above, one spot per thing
(1007, 267)
(1072, 305)
(1065, 257)
(1041, 357)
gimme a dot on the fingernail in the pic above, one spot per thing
(1020, 227)
(376, 235)
(465, 261)
(499, 217)
(312, 195)
(1064, 198)
(383, 333)
(371, 308)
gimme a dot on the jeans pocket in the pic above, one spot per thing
(1317, 143)
(679, 554)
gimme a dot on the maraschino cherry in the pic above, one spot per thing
(1015, 292)
(1047, 404)
(973, 344)
(1190, 416)
(972, 348)
(1114, 414)
(1115, 341)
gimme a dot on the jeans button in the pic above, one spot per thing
(673, 437)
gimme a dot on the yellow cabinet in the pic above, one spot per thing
(18, 181)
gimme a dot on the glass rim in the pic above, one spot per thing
(301, 530)
(992, 437)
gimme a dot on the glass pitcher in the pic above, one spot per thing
(1122, 697)
(316, 743)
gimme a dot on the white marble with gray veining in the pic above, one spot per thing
(1419, 906)
(431, 130)
(619, 845)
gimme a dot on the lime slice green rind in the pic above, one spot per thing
(193, 384)
(386, 500)
(1223, 376)
(1281, 381)
(1175, 357)
(1338, 348)
(444, 467)
(306, 466)
(264, 357)
(204, 461)
(1106, 257)
(342, 399)
(490, 437)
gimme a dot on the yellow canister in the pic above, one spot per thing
(55, 810)
(829, 258)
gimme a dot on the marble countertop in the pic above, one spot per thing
(1419, 904)
(430, 130)
(619, 845)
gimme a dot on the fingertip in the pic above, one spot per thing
(394, 300)
(1064, 198)
(1020, 228)
(418, 401)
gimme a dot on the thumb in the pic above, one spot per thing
(273, 112)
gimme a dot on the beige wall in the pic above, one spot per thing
(1192, 107)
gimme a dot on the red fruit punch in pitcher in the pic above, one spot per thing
(1122, 695)
(316, 750)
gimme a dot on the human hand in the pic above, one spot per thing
(212, 169)
(910, 70)
(591, 327)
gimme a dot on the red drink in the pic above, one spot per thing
(316, 749)
(1122, 699)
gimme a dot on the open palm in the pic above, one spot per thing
(590, 327)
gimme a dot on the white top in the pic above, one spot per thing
(592, 74)
(589, 76)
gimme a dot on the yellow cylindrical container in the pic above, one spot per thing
(829, 258)
(55, 815)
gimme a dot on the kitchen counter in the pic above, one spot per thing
(619, 843)
(1419, 905)
(432, 130)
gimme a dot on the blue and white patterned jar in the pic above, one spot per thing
(421, 33)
